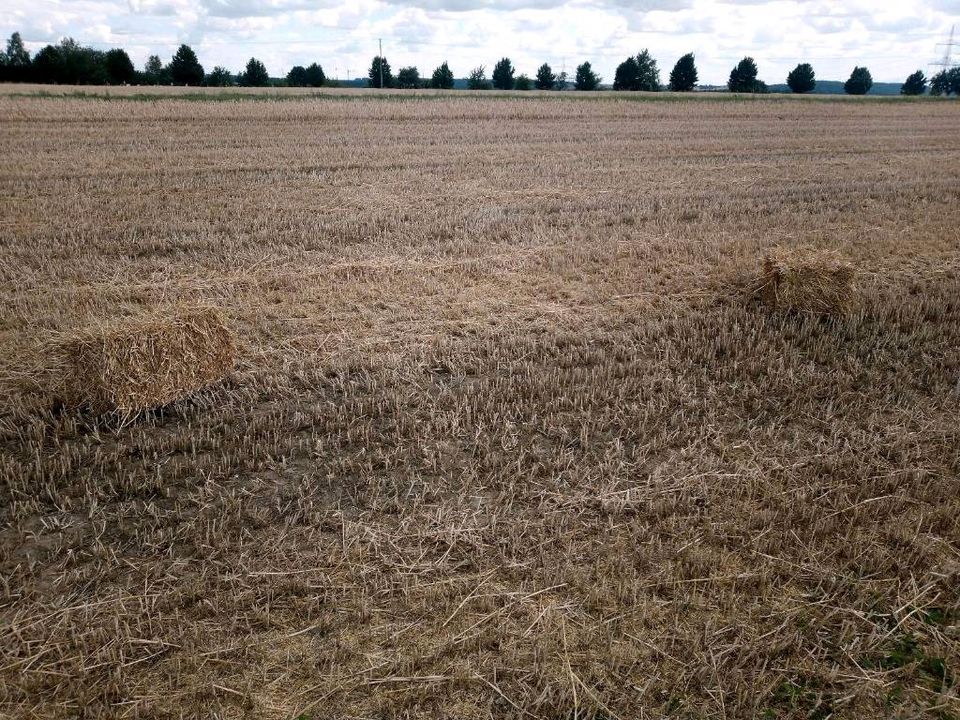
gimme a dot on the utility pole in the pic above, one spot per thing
(381, 63)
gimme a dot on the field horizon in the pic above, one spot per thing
(150, 92)
(508, 435)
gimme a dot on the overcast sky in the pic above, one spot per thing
(891, 38)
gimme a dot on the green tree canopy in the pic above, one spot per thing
(478, 79)
(47, 65)
(743, 78)
(119, 68)
(442, 78)
(586, 78)
(546, 79)
(184, 68)
(380, 75)
(859, 82)
(297, 77)
(153, 71)
(255, 74)
(522, 82)
(915, 84)
(16, 54)
(802, 79)
(639, 73)
(68, 63)
(15, 62)
(219, 77)
(315, 76)
(503, 74)
(683, 77)
(408, 78)
(946, 82)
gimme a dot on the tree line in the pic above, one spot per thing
(69, 63)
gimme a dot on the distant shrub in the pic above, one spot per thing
(522, 83)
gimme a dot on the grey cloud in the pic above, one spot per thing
(258, 8)
(470, 5)
(159, 8)
(513, 5)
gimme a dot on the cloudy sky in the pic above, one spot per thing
(891, 38)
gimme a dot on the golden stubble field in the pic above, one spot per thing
(506, 437)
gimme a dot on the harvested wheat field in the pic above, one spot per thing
(513, 429)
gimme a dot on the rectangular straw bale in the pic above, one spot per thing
(807, 280)
(136, 365)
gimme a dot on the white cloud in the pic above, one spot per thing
(833, 35)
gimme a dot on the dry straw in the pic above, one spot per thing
(147, 363)
(807, 280)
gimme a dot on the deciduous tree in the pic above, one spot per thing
(915, 84)
(586, 78)
(220, 77)
(639, 73)
(859, 82)
(743, 78)
(154, 72)
(442, 78)
(546, 79)
(478, 79)
(683, 77)
(802, 79)
(15, 62)
(120, 70)
(408, 78)
(255, 74)
(315, 76)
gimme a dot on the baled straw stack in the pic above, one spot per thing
(138, 365)
(807, 280)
